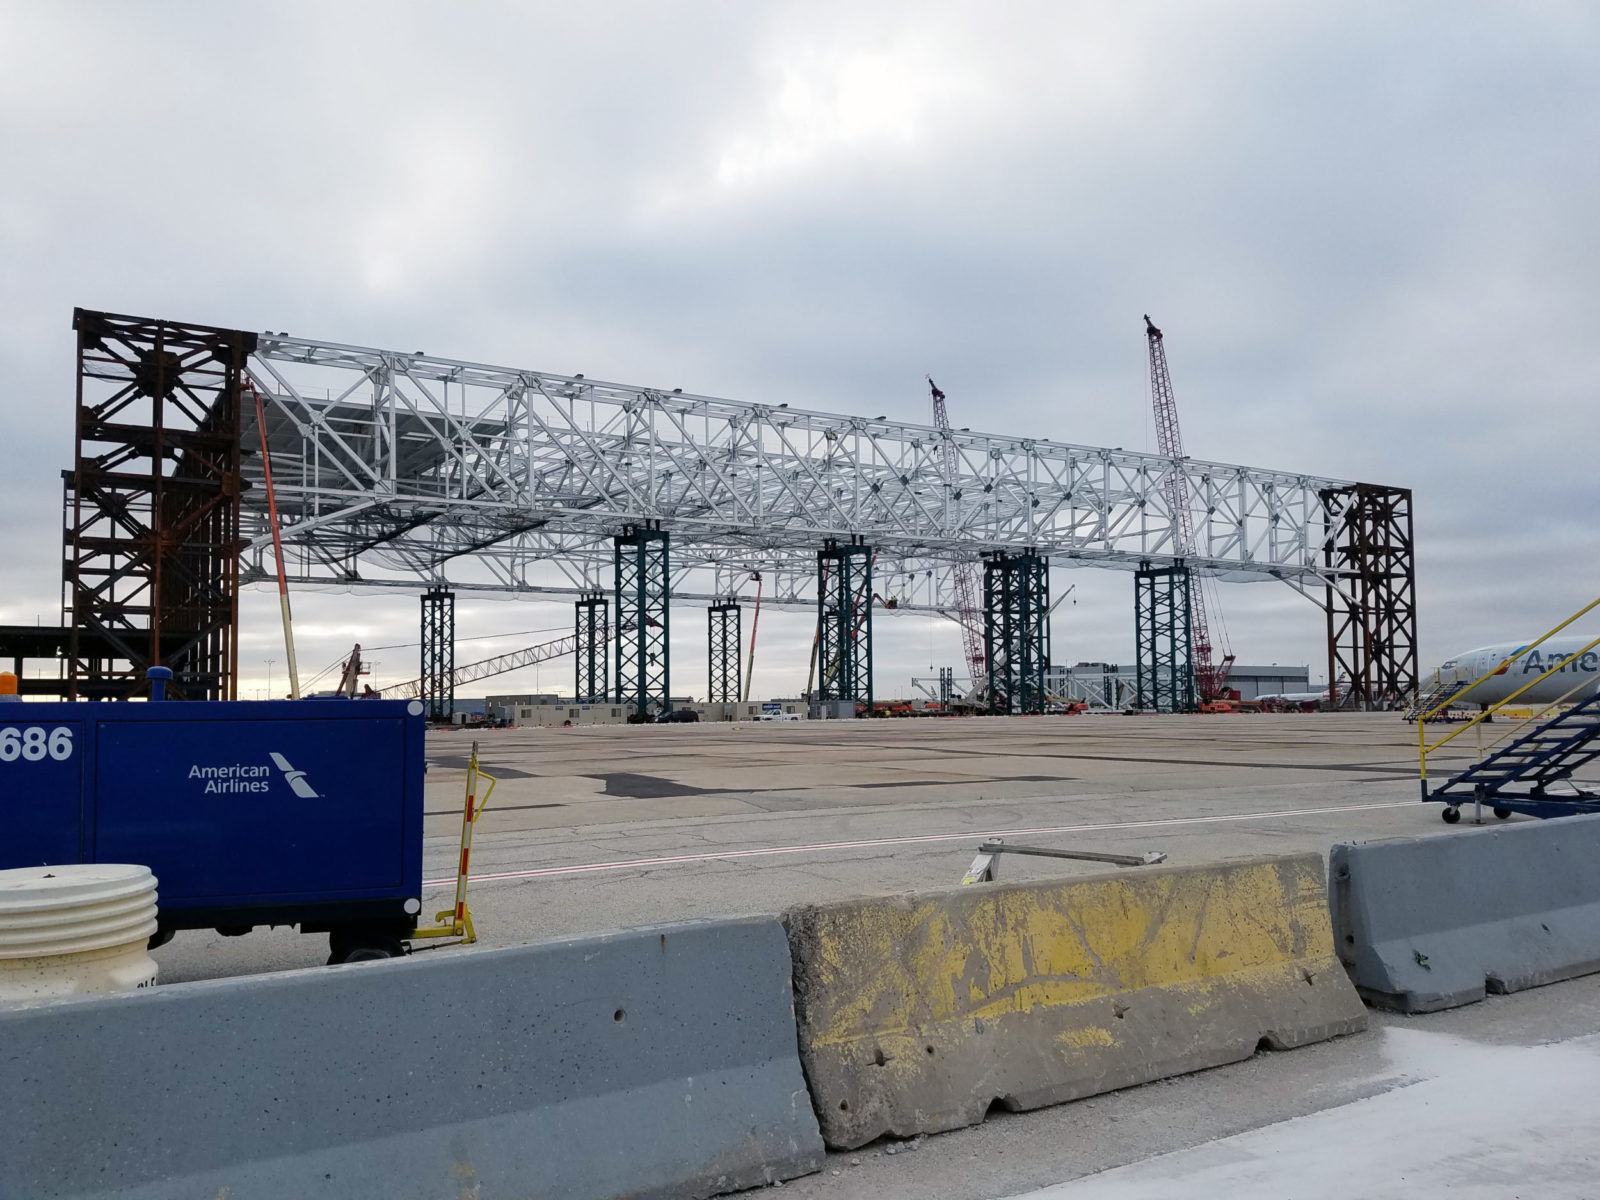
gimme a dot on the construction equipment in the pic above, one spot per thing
(486, 667)
(269, 813)
(750, 659)
(350, 675)
(1211, 679)
(963, 571)
(456, 922)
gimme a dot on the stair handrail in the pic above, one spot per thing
(1424, 749)
(1512, 732)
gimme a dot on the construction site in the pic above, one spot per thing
(683, 945)
(209, 460)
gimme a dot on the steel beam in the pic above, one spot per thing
(1372, 618)
(844, 622)
(592, 685)
(151, 523)
(1165, 670)
(439, 653)
(1016, 607)
(643, 589)
(398, 467)
(724, 642)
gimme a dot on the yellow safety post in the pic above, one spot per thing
(457, 921)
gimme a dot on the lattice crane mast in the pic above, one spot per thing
(1211, 678)
(965, 573)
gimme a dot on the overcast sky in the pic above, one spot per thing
(1368, 231)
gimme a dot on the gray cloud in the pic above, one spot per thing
(1367, 230)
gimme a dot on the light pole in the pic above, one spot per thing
(270, 661)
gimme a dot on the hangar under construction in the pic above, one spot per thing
(406, 470)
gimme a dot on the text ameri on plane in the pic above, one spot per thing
(1577, 676)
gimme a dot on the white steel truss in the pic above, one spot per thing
(406, 470)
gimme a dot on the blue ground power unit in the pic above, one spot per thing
(294, 812)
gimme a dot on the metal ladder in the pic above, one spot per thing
(1439, 694)
(1515, 777)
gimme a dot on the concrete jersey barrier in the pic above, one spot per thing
(658, 1062)
(1434, 922)
(917, 1012)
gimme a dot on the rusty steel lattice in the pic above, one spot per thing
(1372, 616)
(151, 525)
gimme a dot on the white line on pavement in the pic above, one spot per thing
(866, 843)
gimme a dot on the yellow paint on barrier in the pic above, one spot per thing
(1018, 949)
(1089, 1035)
(916, 1013)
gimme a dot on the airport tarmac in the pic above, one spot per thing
(604, 827)
(610, 826)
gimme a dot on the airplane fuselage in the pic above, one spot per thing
(1577, 674)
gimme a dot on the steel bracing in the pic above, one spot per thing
(724, 650)
(398, 469)
(1165, 665)
(408, 470)
(644, 666)
(1372, 617)
(592, 685)
(844, 622)
(437, 686)
(150, 569)
(1016, 608)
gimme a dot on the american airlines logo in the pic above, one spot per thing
(295, 779)
(252, 777)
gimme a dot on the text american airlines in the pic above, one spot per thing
(251, 777)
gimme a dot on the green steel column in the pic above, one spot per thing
(725, 650)
(844, 622)
(643, 671)
(1164, 669)
(593, 637)
(439, 653)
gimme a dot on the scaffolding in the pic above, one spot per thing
(1165, 670)
(151, 521)
(439, 653)
(1016, 609)
(1372, 614)
(844, 622)
(593, 650)
(724, 642)
(642, 591)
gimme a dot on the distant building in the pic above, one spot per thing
(1268, 681)
(1113, 685)
(516, 701)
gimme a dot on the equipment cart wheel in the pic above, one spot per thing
(1451, 815)
(1503, 813)
(362, 945)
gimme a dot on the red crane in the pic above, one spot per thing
(964, 572)
(1210, 678)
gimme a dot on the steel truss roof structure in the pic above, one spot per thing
(407, 470)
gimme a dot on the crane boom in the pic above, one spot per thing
(1210, 678)
(968, 615)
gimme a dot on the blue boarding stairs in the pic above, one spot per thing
(1517, 777)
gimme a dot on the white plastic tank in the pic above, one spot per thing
(71, 930)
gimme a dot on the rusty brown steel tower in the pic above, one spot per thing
(150, 572)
